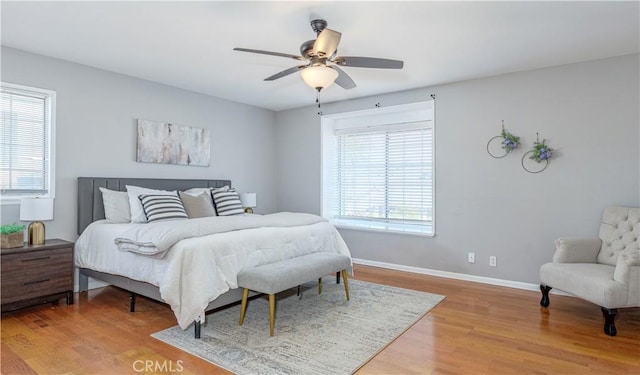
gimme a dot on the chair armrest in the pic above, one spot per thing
(577, 250)
(627, 260)
(630, 257)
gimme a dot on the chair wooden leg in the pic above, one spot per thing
(346, 282)
(320, 285)
(544, 302)
(609, 321)
(272, 313)
(243, 307)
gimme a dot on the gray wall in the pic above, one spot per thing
(588, 112)
(96, 132)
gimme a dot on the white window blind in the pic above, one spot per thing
(384, 177)
(25, 141)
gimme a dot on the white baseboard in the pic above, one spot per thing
(454, 275)
(93, 284)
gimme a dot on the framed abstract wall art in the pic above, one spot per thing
(165, 143)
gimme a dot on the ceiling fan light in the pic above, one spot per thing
(319, 77)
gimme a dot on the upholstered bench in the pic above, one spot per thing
(276, 277)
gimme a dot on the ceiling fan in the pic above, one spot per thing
(322, 67)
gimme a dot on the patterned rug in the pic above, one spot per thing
(315, 334)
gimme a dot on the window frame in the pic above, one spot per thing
(50, 112)
(398, 115)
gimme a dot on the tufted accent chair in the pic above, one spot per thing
(604, 270)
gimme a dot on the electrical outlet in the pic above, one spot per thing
(493, 261)
(471, 257)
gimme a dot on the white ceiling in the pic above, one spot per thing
(189, 44)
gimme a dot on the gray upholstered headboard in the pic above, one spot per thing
(90, 207)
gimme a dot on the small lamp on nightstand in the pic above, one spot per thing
(35, 210)
(248, 201)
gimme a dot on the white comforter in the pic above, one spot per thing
(197, 270)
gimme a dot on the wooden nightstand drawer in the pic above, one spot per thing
(31, 265)
(36, 274)
(17, 291)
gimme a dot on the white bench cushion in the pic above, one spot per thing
(276, 277)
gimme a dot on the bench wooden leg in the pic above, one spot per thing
(132, 302)
(346, 282)
(272, 313)
(320, 285)
(197, 326)
(243, 307)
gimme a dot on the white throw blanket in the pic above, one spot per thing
(155, 239)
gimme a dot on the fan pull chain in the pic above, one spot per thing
(318, 98)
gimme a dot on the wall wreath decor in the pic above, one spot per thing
(501, 145)
(541, 153)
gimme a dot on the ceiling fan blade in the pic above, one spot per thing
(368, 62)
(343, 79)
(269, 53)
(285, 73)
(327, 43)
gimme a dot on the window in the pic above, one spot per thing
(378, 169)
(27, 125)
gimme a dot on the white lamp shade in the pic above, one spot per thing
(36, 209)
(319, 76)
(248, 199)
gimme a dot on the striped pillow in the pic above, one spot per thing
(162, 207)
(227, 202)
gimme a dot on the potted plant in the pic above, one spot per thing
(11, 235)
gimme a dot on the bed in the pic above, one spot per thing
(183, 277)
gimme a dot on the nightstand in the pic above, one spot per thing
(36, 274)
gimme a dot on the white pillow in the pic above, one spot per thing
(197, 191)
(224, 188)
(137, 212)
(116, 206)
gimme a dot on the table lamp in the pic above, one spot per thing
(35, 210)
(248, 201)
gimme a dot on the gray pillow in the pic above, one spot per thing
(194, 192)
(198, 205)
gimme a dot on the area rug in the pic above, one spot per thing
(314, 334)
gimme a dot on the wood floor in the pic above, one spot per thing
(477, 329)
